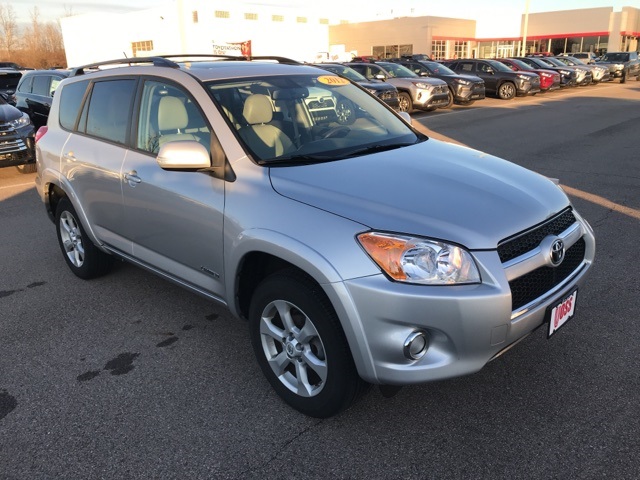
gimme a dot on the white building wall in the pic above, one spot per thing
(171, 28)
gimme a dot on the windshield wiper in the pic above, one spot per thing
(375, 149)
(298, 160)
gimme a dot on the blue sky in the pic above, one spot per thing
(494, 17)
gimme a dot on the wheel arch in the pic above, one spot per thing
(267, 252)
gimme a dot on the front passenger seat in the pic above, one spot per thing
(266, 140)
(173, 119)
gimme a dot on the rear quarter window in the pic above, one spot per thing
(70, 102)
(108, 113)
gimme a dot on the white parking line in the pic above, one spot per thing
(18, 185)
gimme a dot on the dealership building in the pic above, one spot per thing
(231, 27)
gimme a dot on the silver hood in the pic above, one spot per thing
(432, 189)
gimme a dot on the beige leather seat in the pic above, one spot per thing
(265, 140)
(172, 120)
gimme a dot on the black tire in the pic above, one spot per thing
(623, 78)
(27, 168)
(305, 357)
(346, 112)
(83, 258)
(405, 104)
(507, 91)
(450, 102)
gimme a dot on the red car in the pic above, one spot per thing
(549, 80)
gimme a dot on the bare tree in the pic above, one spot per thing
(8, 29)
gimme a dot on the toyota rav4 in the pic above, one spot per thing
(360, 253)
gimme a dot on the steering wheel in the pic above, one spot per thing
(337, 132)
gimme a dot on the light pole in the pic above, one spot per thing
(524, 30)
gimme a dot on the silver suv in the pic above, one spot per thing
(359, 254)
(414, 91)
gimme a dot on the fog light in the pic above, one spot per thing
(416, 345)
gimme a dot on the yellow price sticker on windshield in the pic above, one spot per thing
(333, 81)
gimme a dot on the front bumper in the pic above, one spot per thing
(16, 145)
(433, 98)
(526, 87)
(466, 325)
(468, 93)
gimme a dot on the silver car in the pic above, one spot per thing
(361, 253)
(414, 91)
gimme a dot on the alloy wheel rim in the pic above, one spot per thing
(293, 348)
(71, 239)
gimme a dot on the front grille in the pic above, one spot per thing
(440, 89)
(534, 284)
(10, 140)
(524, 242)
(388, 95)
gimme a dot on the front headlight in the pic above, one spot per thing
(462, 82)
(22, 121)
(422, 85)
(524, 77)
(565, 72)
(419, 260)
(371, 91)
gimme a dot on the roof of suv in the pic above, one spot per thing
(206, 67)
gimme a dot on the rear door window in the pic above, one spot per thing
(108, 110)
(41, 85)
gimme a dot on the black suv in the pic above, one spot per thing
(35, 93)
(498, 78)
(9, 79)
(463, 89)
(621, 65)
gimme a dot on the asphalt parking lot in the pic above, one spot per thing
(128, 376)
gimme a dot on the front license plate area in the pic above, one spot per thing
(560, 313)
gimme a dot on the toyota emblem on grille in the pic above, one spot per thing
(557, 252)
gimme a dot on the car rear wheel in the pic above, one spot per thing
(405, 102)
(300, 346)
(507, 91)
(84, 259)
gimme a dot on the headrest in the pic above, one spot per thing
(257, 109)
(172, 114)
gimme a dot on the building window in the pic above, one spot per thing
(324, 21)
(222, 14)
(301, 19)
(406, 50)
(439, 49)
(460, 50)
(145, 46)
(194, 16)
(377, 51)
(277, 18)
(250, 16)
(344, 22)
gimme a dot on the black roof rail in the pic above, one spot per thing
(156, 61)
(166, 61)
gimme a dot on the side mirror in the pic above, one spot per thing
(380, 76)
(183, 155)
(424, 74)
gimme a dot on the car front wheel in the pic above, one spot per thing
(506, 91)
(300, 346)
(405, 102)
(82, 256)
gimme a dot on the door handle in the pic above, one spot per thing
(132, 178)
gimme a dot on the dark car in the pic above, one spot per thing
(16, 138)
(499, 79)
(621, 65)
(549, 79)
(9, 79)
(383, 90)
(568, 77)
(35, 93)
(463, 89)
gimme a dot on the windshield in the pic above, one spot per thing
(398, 71)
(346, 72)
(554, 61)
(438, 68)
(501, 67)
(302, 119)
(521, 65)
(615, 57)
